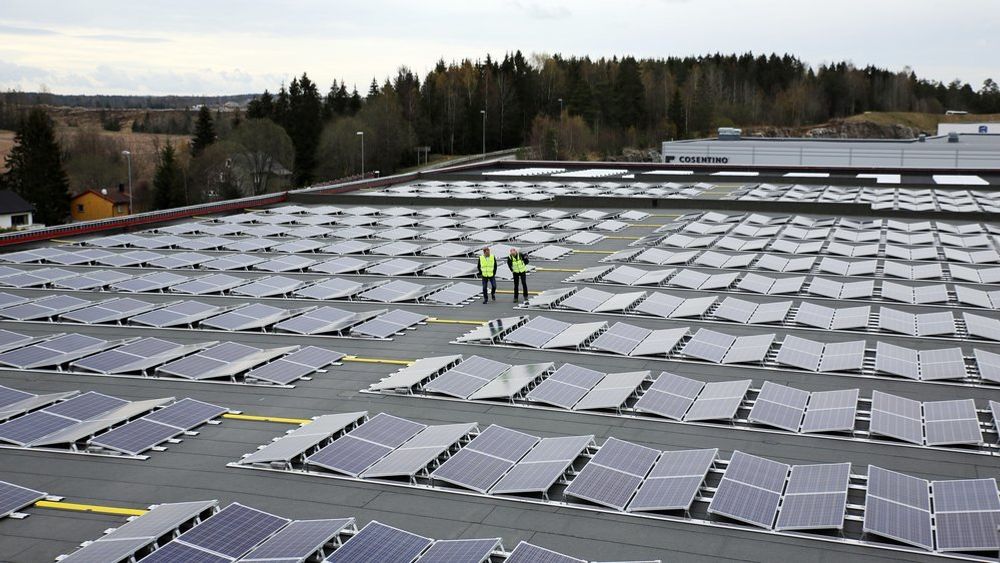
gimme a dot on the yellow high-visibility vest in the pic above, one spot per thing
(517, 265)
(487, 264)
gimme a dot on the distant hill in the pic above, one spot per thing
(120, 102)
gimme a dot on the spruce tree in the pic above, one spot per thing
(675, 113)
(35, 169)
(168, 183)
(204, 132)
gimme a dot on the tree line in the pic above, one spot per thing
(572, 107)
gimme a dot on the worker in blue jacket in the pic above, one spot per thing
(488, 272)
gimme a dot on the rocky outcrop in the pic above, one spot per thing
(838, 129)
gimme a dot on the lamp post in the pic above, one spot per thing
(482, 111)
(128, 157)
(560, 109)
(362, 135)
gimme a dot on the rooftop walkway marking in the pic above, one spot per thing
(453, 321)
(543, 269)
(377, 360)
(94, 508)
(279, 419)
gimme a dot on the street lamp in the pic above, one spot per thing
(482, 111)
(128, 157)
(362, 135)
(560, 109)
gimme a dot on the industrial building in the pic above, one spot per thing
(762, 363)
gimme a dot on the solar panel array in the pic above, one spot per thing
(949, 424)
(761, 350)
(752, 490)
(201, 532)
(97, 423)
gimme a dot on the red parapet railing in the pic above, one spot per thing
(140, 219)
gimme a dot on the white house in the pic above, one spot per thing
(14, 211)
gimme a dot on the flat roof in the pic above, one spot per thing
(197, 467)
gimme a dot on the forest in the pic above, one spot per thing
(570, 107)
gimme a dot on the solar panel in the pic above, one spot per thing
(621, 338)
(541, 467)
(800, 353)
(674, 481)
(362, 447)
(394, 292)
(612, 391)
(831, 411)
(14, 497)
(135, 356)
(157, 281)
(966, 514)
(109, 311)
(536, 332)
(708, 345)
(419, 451)
(481, 463)
(614, 473)
(233, 531)
(449, 551)
(815, 498)
(896, 360)
(52, 352)
(335, 288)
(303, 438)
(566, 386)
(897, 506)
(670, 396)
(750, 490)
(467, 377)
(947, 363)
(388, 324)
(529, 553)
(177, 313)
(718, 400)
(512, 382)
(749, 349)
(896, 417)
(779, 406)
(952, 422)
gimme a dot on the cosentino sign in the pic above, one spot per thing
(696, 159)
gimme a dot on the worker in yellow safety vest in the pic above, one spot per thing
(518, 265)
(488, 272)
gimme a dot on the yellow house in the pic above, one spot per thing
(100, 204)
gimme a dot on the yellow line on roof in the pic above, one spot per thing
(254, 418)
(511, 292)
(541, 269)
(96, 509)
(453, 321)
(377, 361)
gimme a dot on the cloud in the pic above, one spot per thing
(123, 38)
(542, 12)
(28, 31)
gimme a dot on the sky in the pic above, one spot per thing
(216, 47)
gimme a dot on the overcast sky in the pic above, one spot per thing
(243, 46)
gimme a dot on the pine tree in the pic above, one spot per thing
(168, 184)
(304, 126)
(262, 107)
(675, 113)
(354, 105)
(204, 132)
(373, 90)
(35, 169)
